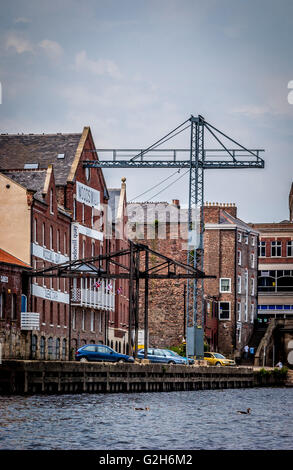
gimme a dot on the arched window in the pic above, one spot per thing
(51, 313)
(35, 231)
(34, 346)
(51, 202)
(64, 349)
(42, 347)
(57, 349)
(50, 348)
(44, 312)
(51, 237)
(43, 234)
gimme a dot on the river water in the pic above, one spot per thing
(192, 420)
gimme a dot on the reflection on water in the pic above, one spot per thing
(205, 419)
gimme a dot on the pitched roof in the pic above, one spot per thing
(226, 218)
(6, 257)
(33, 180)
(18, 149)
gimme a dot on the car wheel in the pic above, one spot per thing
(171, 362)
(121, 360)
(83, 359)
(218, 364)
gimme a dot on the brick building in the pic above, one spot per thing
(58, 213)
(117, 226)
(13, 296)
(164, 228)
(230, 300)
(230, 248)
(275, 270)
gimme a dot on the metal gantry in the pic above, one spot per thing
(134, 270)
(200, 159)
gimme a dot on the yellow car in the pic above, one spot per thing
(216, 359)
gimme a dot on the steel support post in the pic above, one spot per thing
(194, 301)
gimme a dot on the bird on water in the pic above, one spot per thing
(245, 412)
(142, 409)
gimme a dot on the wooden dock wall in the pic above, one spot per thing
(30, 377)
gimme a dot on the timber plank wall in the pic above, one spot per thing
(34, 377)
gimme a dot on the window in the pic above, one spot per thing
(2, 304)
(50, 348)
(73, 319)
(239, 236)
(74, 209)
(13, 306)
(238, 311)
(252, 260)
(44, 312)
(262, 249)
(65, 243)
(34, 345)
(93, 248)
(42, 347)
(239, 335)
(290, 248)
(82, 214)
(58, 314)
(246, 282)
(252, 286)
(90, 348)
(58, 240)
(245, 312)
(83, 248)
(83, 320)
(276, 248)
(252, 313)
(239, 257)
(35, 231)
(87, 173)
(239, 284)
(51, 313)
(224, 310)
(51, 237)
(100, 322)
(92, 321)
(252, 241)
(246, 239)
(44, 235)
(65, 315)
(57, 349)
(64, 349)
(51, 201)
(225, 285)
(92, 217)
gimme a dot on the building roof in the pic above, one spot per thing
(226, 218)
(6, 257)
(16, 150)
(33, 180)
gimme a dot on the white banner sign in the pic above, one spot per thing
(87, 195)
(74, 241)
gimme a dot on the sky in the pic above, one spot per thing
(133, 70)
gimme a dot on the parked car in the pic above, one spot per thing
(164, 356)
(217, 359)
(100, 352)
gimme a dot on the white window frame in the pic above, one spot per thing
(252, 286)
(83, 320)
(252, 240)
(224, 302)
(252, 312)
(239, 284)
(51, 238)
(44, 234)
(239, 256)
(245, 311)
(74, 319)
(239, 237)
(239, 311)
(252, 260)
(229, 288)
(289, 244)
(51, 201)
(58, 240)
(92, 320)
(239, 334)
(65, 243)
(262, 244)
(82, 214)
(278, 244)
(246, 237)
(35, 230)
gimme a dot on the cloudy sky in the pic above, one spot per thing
(135, 69)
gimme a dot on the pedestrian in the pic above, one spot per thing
(279, 364)
(251, 351)
(246, 349)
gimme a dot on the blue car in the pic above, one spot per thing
(100, 352)
(164, 356)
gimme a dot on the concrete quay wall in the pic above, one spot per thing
(35, 377)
